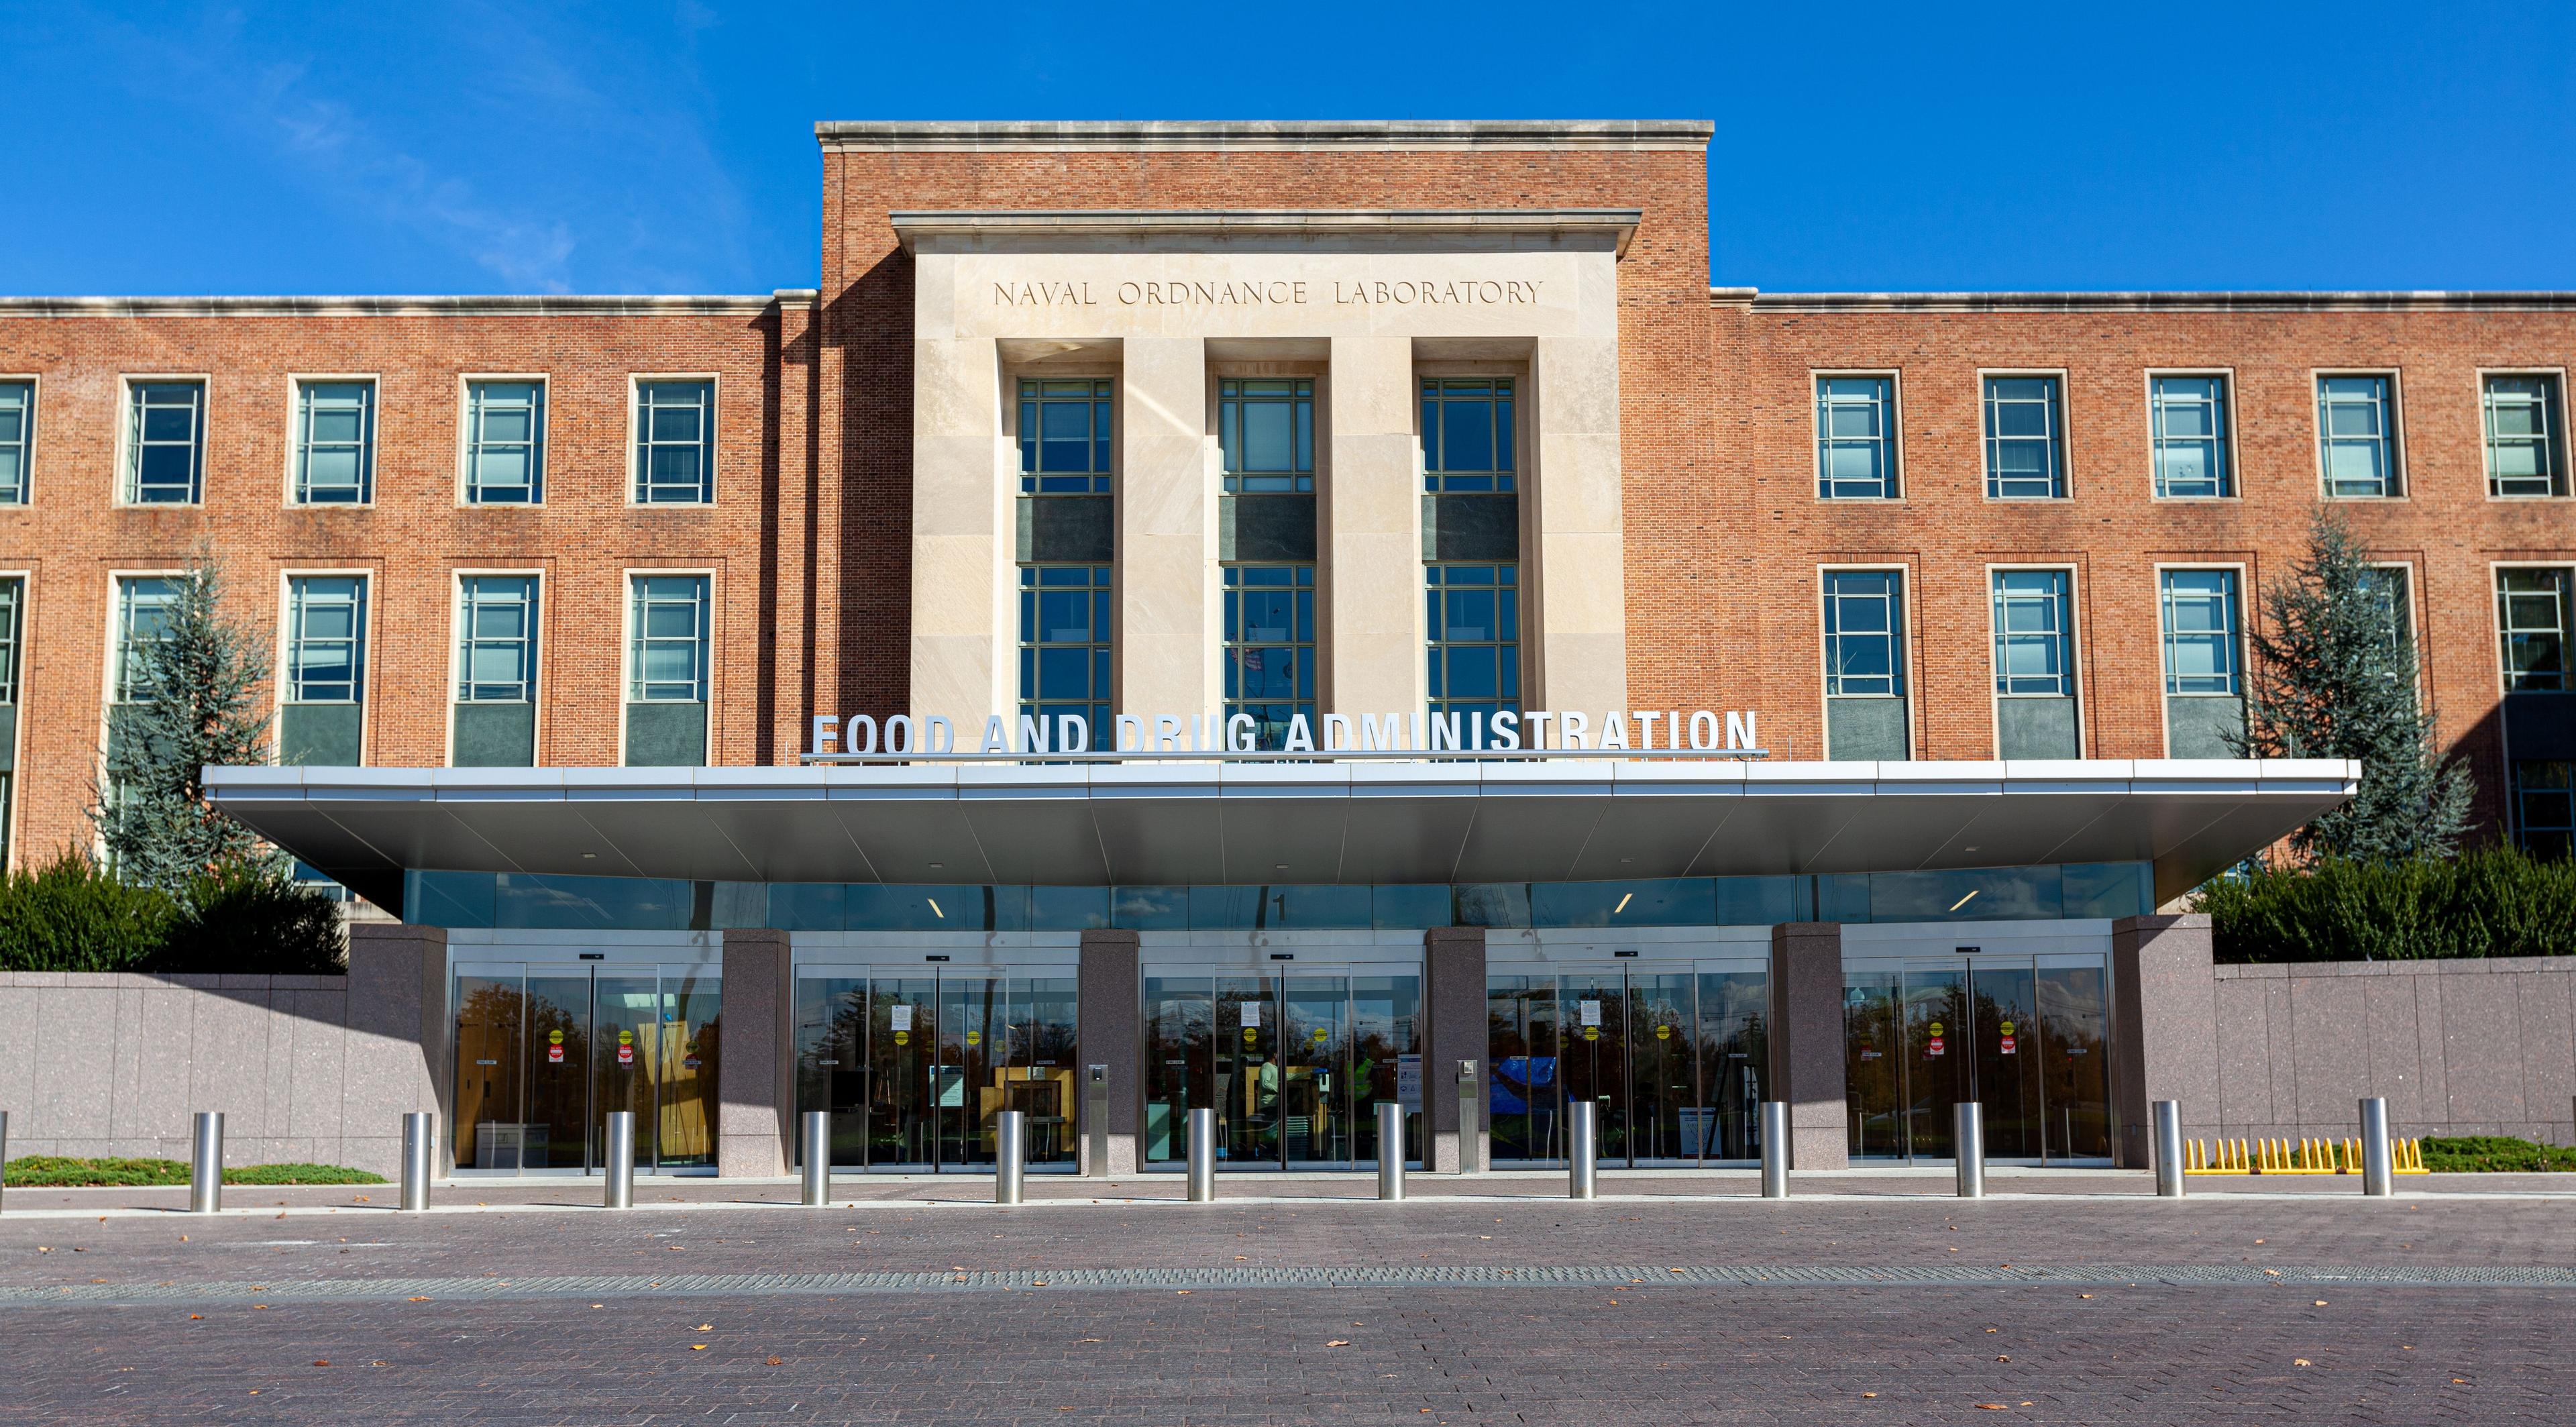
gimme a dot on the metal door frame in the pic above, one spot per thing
(1276, 972)
(588, 970)
(1966, 964)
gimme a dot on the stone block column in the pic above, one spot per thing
(1169, 597)
(2164, 1028)
(755, 1091)
(965, 609)
(1107, 1032)
(1572, 542)
(398, 1054)
(1807, 1042)
(1371, 532)
(1453, 1023)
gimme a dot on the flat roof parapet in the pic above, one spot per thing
(2143, 301)
(1633, 134)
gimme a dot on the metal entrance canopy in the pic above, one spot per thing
(1310, 822)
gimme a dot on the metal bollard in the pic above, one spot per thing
(419, 1136)
(2168, 1149)
(2378, 1166)
(1775, 1149)
(621, 1160)
(206, 1164)
(817, 1190)
(1203, 1156)
(1011, 1157)
(1390, 1149)
(1582, 1147)
(1471, 1127)
(1968, 1120)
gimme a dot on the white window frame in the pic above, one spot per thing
(126, 382)
(2496, 630)
(112, 647)
(456, 579)
(635, 383)
(626, 643)
(2401, 479)
(2415, 625)
(26, 578)
(2164, 664)
(2566, 474)
(2234, 479)
(296, 382)
(1902, 476)
(2079, 647)
(278, 683)
(2065, 440)
(1904, 639)
(544, 382)
(27, 472)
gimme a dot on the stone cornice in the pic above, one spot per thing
(435, 306)
(1619, 224)
(1304, 134)
(2143, 301)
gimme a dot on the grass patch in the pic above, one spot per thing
(2494, 1154)
(38, 1171)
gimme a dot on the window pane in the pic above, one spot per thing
(2533, 610)
(497, 621)
(1467, 435)
(505, 443)
(1474, 653)
(2188, 416)
(1065, 437)
(166, 442)
(668, 627)
(675, 442)
(1864, 623)
(2355, 432)
(2034, 642)
(2523, 449)
(2200, 631)
(1064, 646)
(1855, 441)
(17, 440)
(2024, 458)
(326, 630)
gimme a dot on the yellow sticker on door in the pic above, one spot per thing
(554, 1047)
(1933, 1046)
(625, 1047)
(2007, 1045)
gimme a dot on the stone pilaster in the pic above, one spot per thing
(1371, 537)
(2164, 1028)
(1107, 1032)
(755, 1091)
(1453, 1022)
(1169, 600)
(397, 1007)
(1807, 1042)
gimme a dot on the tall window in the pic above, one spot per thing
(1064, 644)
(2034, 633)
(143, 607)
(1270, 647)
(165, 443)
(2357, 436)
(2201, 653)
(505, 443)
(1856, 438)
(2025, 439)
(1065, 446)
(1467, 435)
(2533, 612)
(2391, 586)
(13, 600)
(1475, 627)
(668, 623)
(2525, 456)
(497, 620)
(1266, 429)
(321, 724)
(1864, 634)
(2544, 798)
(17, 445)
(675, 443)
(335, 442)
(2187, 417)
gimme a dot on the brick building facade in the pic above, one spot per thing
(810, 538)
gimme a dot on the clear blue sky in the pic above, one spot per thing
(657, 147)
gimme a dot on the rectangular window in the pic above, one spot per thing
(675, 443)
(2357, 436)
(1064, 644)
(2025, 439)
(13, 602)
(2532, 610)
(17, 440)
(1468, 443)
(335, 443)
(165, 443)
(144, 604)
(2187, 418)
(1475, 646)
(2034, 633)
(2525, 455)
(1270, 648)
(2392, 587)
(1864, 634)
(1266, 429)
(321, 723)
(2544, 807)
(1065, 427)
(667, 661)
(2201, 632)
(496, 659)
(1856, 438)
(505, 443)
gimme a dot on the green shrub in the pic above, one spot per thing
(2493, 902)
(2498, 1154)
(252, 919)
(38, 1171)
(70, 916)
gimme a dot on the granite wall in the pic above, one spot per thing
(2482, 1047)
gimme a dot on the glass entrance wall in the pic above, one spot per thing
(2025, 1035)
(1673, 1051)
(546, 1050)
(916, 1066)
(1293, 1063)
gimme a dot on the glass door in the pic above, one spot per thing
(556, 1133)
(1177, 1038)
(903, 1130)
(2025, 1038)
(545, 1054)
(1594, 1065)
(1523, 1102)
(1937, 1057)
(1667, 1122)
(1247, 1069)
(1293, 1064)
(1735, 1063)
(485, 1113)
(917, 1070)
(1314, 1086)
(2073, 1020)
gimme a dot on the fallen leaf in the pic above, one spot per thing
(2003, 1357)
(1869, 1394)
(2321, 1303)
(1338, 1343)
(773, 1362)
(321, 1362)
(422, 1299)
(1990, 1407)
(193, 1317)
(706, 1327)
(2300, 1363)
(2459, 1379)
(697, 1347)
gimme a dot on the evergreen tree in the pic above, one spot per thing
(191, 697)
(2334, 676)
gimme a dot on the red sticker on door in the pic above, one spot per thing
(625, 1047)
(2006, 1045)
(1933, 1046)
(554, 1047)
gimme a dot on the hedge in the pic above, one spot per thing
(37, 1171)
(72, 916)
(2494, 1154)
(2493, 902)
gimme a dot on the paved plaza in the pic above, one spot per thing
(1885, 1303)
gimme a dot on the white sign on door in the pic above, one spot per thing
(902, 1017)
(1252, 1015)
(1408, 1082)
(1591, 1012)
